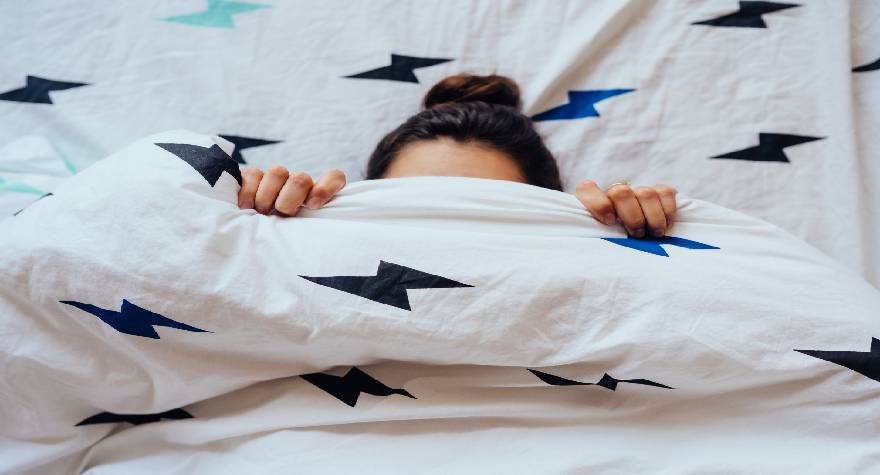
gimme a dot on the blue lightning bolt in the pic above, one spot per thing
(132, 319)
(652, 245)
(580, 104)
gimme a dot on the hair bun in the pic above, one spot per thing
(492, 89)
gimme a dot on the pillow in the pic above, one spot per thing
(138, 291)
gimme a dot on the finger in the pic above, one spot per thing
(652, 210)
(596, 202)
(293, 193)
(325, 187)
(628, 210)
(270, 185)
(250, 180)
(667, 200)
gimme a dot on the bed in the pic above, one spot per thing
(763, 108)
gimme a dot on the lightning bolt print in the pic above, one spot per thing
(580, 104)
(37, 89)
(867, 67)
(401, 68)
(136, 419)
(770, 148)
(652, 245)
(748, 15)
(349, 387)
(210, 162)
(866, 363)
(38, 199)
(132, 319)
(390, 284)
(218, 15)
(607, 381)
(242, 143)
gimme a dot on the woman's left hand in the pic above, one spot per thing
(638, 208)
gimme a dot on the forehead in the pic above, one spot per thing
(445, 149)
(448, 157)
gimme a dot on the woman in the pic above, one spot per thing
(470, 126)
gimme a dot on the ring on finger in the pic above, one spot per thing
(626, 183)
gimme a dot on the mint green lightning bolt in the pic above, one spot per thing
(218, 15)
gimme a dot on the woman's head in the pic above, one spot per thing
(470, 126)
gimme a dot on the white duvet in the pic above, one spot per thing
(417, 325)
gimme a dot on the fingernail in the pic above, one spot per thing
(659, 232)
(639, 232)
(609, 219)
(313, 203)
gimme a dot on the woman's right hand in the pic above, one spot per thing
(278, 189)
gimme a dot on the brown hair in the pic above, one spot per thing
(465, 108)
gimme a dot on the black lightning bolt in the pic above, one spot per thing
(607, 381)
(389, 285)
(349, 387)
(401, 68)
(38, 199)
(132, 319)
(209, 162)
(770, 148)
(863, 362)
(136, 419)
(748, 15)
(242, 143)
(867, 67)
(37, 90)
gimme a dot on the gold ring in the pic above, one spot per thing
(615, 184)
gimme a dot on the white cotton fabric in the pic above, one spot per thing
(720, 326)
(29, 168)
(279, 74)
